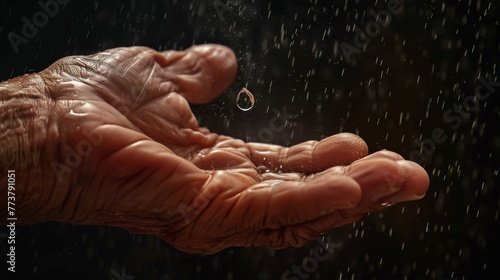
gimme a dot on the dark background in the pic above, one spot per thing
(427, 60)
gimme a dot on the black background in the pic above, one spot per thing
(427, 60)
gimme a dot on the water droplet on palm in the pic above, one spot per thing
(245, 100)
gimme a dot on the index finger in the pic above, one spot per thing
(311, 156)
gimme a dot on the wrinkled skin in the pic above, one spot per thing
(142, 162)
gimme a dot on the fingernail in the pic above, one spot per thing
(408, 197)
(390, 189)
(416, 196)
(345, 205)
(203, 48)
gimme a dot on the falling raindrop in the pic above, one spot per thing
(245, 100)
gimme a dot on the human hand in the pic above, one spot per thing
(122, 148)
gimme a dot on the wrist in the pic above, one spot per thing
(24, 113)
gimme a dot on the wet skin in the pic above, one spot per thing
(109, 139)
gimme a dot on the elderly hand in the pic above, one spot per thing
(109, 139)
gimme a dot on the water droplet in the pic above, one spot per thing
(245, 100)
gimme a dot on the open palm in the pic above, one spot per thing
(132, 155)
